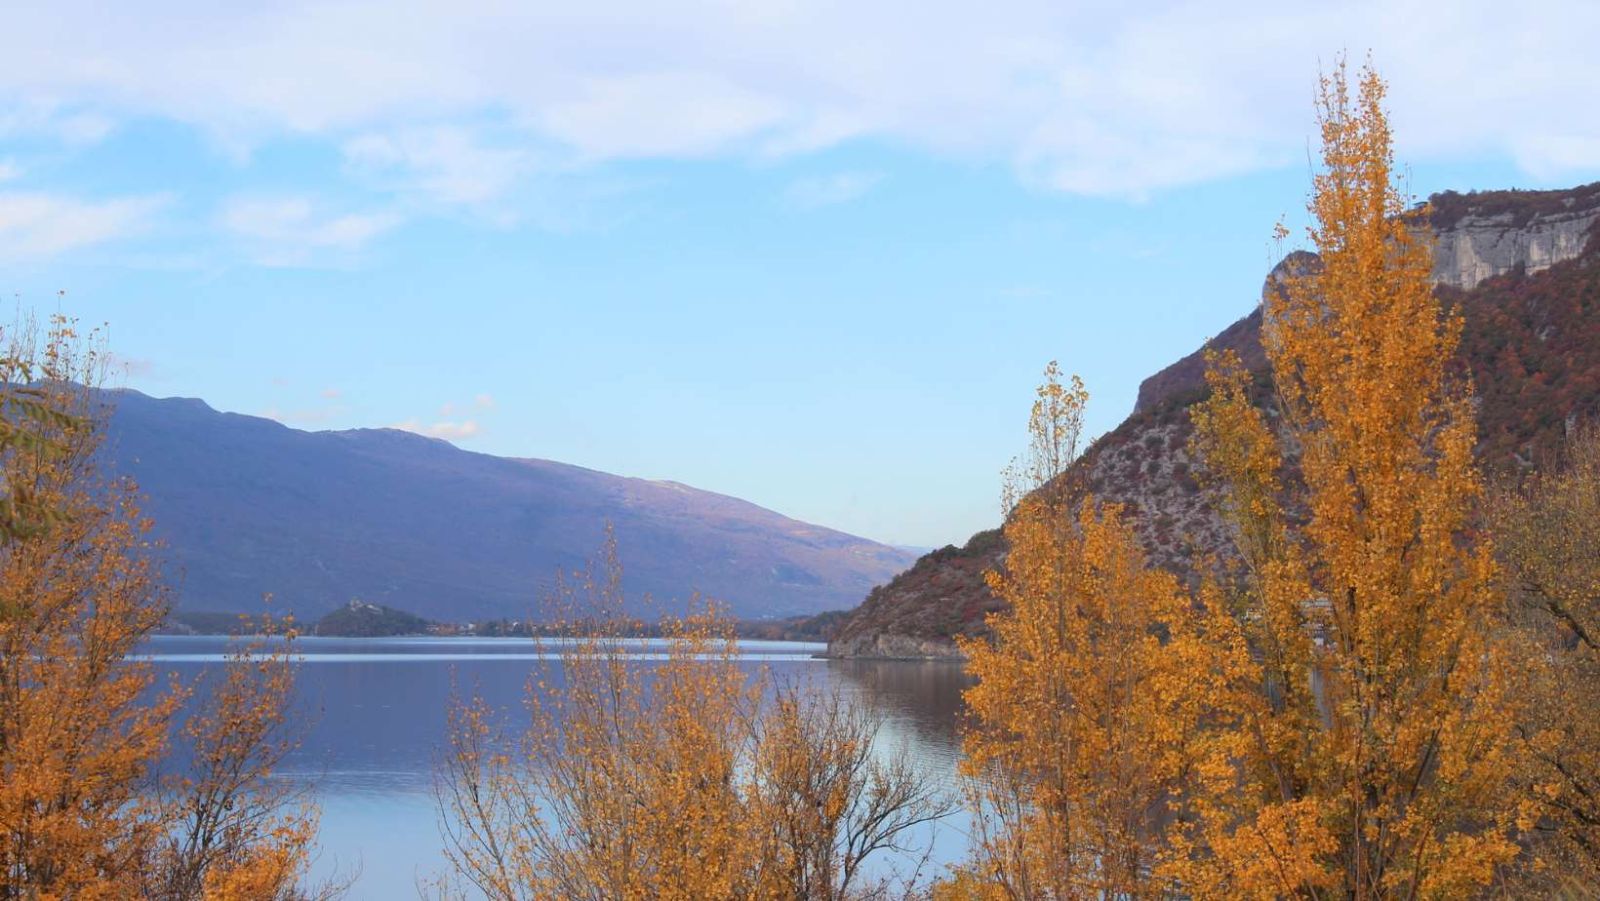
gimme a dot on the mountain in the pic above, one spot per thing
(246, 506)
(1522, 266)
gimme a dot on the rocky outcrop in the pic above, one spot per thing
(1477, 236)
(1188, 375)
(1531, 340)
(893, 646)
(1507, 230)
(920, 611)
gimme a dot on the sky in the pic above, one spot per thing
(811, 254)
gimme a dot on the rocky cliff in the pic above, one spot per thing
(1480, 236)
(1477, 237)
(1523, 267)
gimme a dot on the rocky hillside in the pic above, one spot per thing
(1524, 268)
(248, 506)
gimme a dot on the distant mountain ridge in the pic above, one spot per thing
(1523, 267)
(248, 506)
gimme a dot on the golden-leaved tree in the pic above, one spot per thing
(667, 779)
(231, 830)
(83, 723)
(1548, 532)
(1087, 700)
(1362, 747)
(621, 787)
(77, 593)
(824, 798)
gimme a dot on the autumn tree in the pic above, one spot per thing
(669, 779)
(77, 592)
(232, 832)
(83, 722)
(1055, 433)
(1085, 702)
(1548, 533)
(623, 786)
(825, 799)
(1363, 745)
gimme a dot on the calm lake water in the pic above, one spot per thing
(374, 712)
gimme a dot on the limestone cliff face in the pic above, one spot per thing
(1488, 241)
(1477, 236)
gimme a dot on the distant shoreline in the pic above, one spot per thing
(364, 620)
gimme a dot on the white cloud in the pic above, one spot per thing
(443, 164)
(83, 128)
(449, 431)
(129, 367)
(455, 421)
(829, 190)
(1097, 98)
(287, 231)
(35, 225)
(450, 409)
(43, 116)
(328, 408)
(659, 114)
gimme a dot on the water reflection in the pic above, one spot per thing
(375, 712)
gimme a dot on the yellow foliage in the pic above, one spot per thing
(1087, 705)
(965, 885)
(233, 833)
(821, 799)
(1370, 720)
(1548, 532)
(1055, 428)
(82, 722)
(77, 592)
(668, 780)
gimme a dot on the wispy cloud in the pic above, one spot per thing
(35, 224)
(830, 190)
(129, 367)
(659, 114)
(1106, 99)
(290, 231)
(448, 164)
(448, 430)
(326, 409)
(455, 421)
(44, 116)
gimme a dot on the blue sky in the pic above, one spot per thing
(810, 254)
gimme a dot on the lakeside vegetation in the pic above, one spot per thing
(86, 809)
(1390, 687)
(360, 619)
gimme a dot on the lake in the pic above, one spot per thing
(374, 714)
